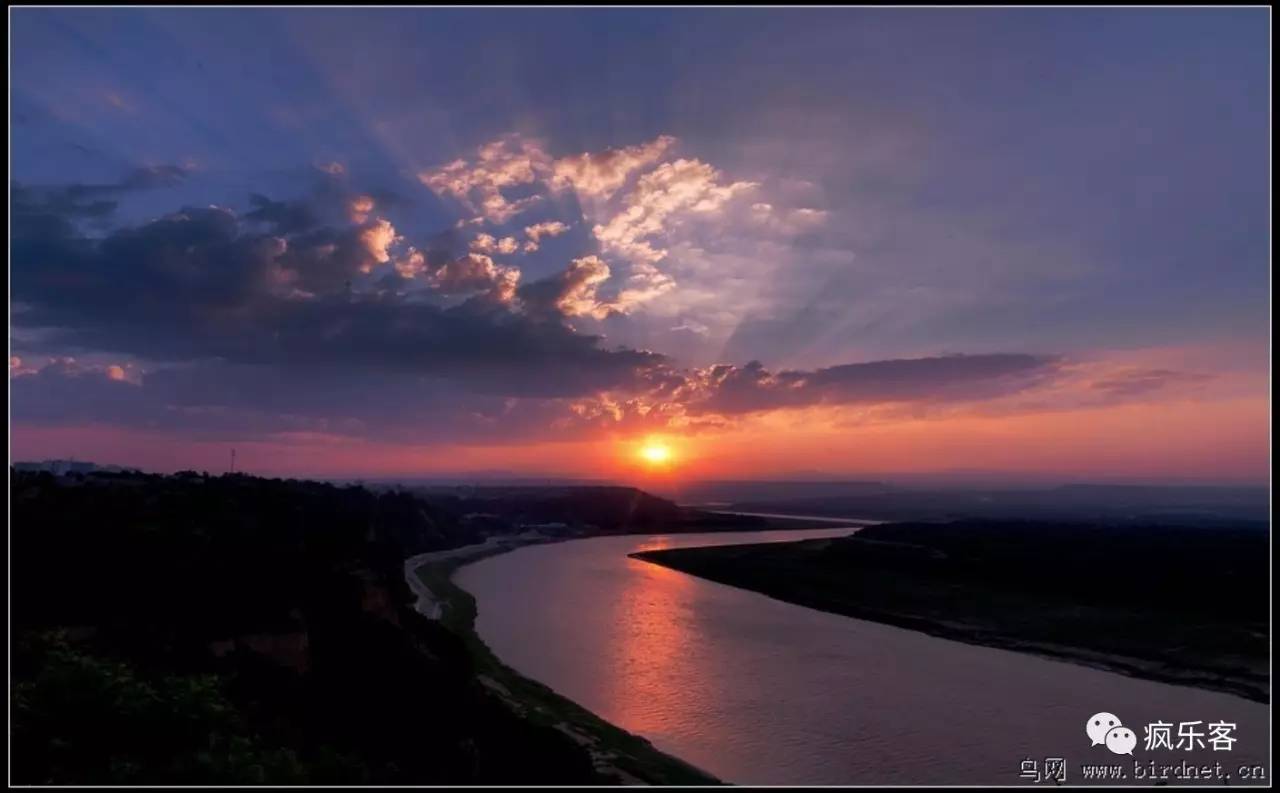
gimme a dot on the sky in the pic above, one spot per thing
(413, 242)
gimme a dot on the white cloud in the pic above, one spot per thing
(644, 283)
(509, 161)
(640, 205)
(412, 264)
(692, 327)
(580, 282)
(662, 196)
(600, 175)
(538, 231)
(487, 243)
(785, 222)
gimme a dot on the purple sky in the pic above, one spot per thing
(392, 240)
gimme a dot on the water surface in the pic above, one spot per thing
(755, 690)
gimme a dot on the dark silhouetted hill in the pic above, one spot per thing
(1189, 506)
(190, 629)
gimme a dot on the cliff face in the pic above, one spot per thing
(239, 630)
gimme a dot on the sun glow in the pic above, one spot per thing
(655, 453)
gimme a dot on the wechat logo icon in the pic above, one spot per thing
(1105, 729)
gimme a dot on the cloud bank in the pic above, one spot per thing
(319, 314)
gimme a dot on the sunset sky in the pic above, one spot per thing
(381, 242)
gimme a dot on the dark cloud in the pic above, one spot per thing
(35, 204)
(313, 316)
(228, 402)
(202, 284)
(729, 390)
(161, 284)
(473, 273)
(50, 205)
(328, 202)
(282, 217)
(153, 176)
(325, 260)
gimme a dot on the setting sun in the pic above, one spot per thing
(655, 453)
(660, 413)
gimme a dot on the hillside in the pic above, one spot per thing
(235, 630)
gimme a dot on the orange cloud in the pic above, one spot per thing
(376, 239)
(580, 282)
(600, 175)
(1219, 441)
(476, 273)
(538, 231)
(487, 243)
(478, 185)
(359, 208)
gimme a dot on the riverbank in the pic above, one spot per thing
(616, 753)
(1119, 601)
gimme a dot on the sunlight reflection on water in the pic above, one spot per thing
(759, 691)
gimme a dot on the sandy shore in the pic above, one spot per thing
(431, 606)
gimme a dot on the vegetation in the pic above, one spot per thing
(237, 630)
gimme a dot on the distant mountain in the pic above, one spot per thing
(1129, 504)
(726, 491)
(477, 479)
(62, 467)
(574, 509)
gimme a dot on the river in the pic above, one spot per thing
(758, 691)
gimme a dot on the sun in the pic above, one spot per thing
(655, 453)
